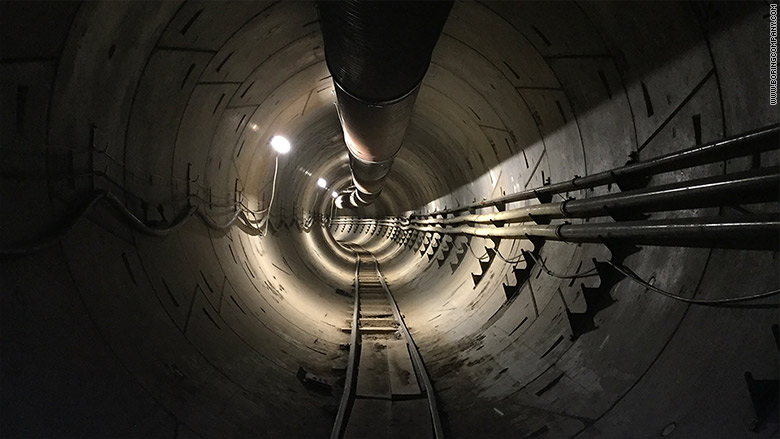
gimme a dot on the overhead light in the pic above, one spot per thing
(322, 183)
(334, 194)
(280, 144)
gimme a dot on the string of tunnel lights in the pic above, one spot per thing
(282, 145)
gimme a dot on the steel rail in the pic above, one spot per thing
(340, 424)
(416, 357)
(745, 187)
(759, 140)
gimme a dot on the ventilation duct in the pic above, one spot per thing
(377, 54)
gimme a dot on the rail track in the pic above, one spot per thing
(387, 392)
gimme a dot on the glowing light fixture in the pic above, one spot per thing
(334, 194)
(280, 144)
(322, 183)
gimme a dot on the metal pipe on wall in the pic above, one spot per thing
(378, 54)
(755, 186)
(757, 141)
(746, 232)
(751, 231)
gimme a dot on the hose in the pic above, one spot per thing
(520, 258)
(588, 273)
(51, 237)
(710, 302)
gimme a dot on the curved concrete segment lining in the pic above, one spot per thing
(220, 333)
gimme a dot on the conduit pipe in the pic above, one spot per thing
(758, 232)
(751, 231)
(760, 140)
(753, 186)
(377, 54)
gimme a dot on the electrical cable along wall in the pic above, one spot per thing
(759, 189)
(140, 295)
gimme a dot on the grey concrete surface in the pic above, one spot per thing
(112, 333)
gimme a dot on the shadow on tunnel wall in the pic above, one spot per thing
(601, 83)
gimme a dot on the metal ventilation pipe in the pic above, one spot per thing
(377, 53)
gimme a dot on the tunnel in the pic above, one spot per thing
(167, 274)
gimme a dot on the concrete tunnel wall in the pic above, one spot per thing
(201, 333)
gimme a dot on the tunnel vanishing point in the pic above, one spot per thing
(570, 208)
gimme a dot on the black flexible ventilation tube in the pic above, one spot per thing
(377, 53)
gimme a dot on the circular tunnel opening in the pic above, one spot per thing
(192, 306)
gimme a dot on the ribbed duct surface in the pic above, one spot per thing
(378, 53)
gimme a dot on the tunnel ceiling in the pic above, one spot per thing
(204, 331)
